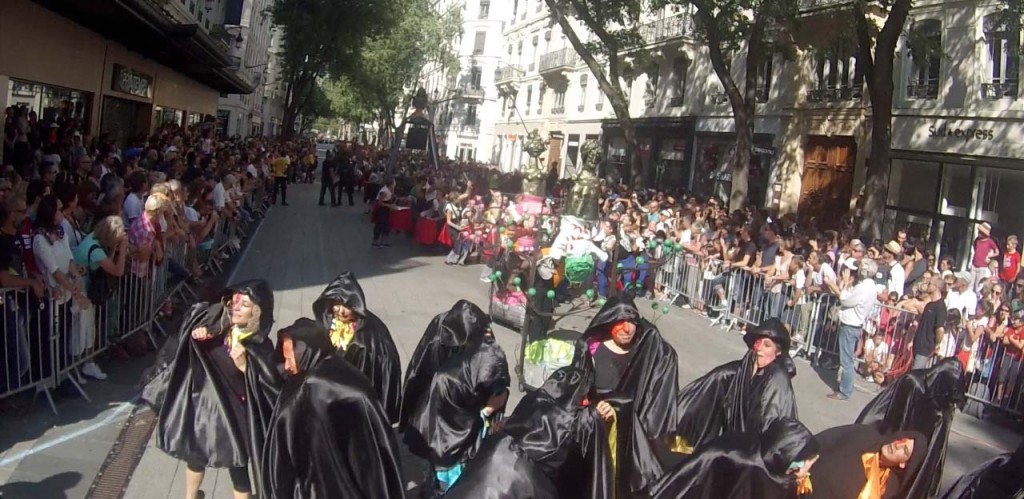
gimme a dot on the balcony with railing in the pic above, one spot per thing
(509, 73)
(469, 129)
(558, 111)
(558, 62)
(834, 94)
(471, 92)
(926, 89)
(996, 90)
(812, 6)
(667, 30)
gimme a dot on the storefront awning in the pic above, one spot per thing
(142, 26)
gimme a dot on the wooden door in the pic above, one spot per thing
(554, 157)
(827, 183)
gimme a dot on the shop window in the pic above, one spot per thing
(52, 104)
(837, 75)
(925, 44)
(913, 185)
(583, 93)
(764, 78)
(680, 66)
(1003, 58)
(955, 195)
(999, 193)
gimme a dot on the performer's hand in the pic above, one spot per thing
(200, 334)
(605, 410)
(238, 355)
(496, 402)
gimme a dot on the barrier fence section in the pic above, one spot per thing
(738, 298)
(48, 339)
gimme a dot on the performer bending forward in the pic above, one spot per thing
(217, 385)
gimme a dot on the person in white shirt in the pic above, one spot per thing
(856, 301)
(891, 256)
(961, 297)
(876, 355)
(133, 203)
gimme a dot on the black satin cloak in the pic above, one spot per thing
(444, 426)
(645, 398)
(372, 350)
(545, 449)
(200, 418)
(741, 465)
(728, 399)
(1002, 477)
(925, 401)
(839, 470)
(329, 436)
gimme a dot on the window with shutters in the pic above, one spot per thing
(926, 57)
(680, 66)
(479, 43)
(1003, 42)
(583, 93)
(485, 9)
(540, 97)
(529, 98)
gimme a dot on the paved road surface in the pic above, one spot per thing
(298, 249)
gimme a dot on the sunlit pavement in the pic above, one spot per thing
(299, 249)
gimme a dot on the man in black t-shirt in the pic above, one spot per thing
(931, 325)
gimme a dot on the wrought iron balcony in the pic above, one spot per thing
(471, 129)
(558, 111)
(559, 61)
(815, 5)
(472, 92)
(507, 74)
(1005, 89)
(923, 90)
(667, 29)
(836, 94)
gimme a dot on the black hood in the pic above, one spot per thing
(464, 324)
(945, 383)
(344, 290)
(616, 309)
(786, 440)
(772, 329)
(310, 343)
(568, 386)
(261, 295)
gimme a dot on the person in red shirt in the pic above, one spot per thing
(1012, 339)
(1011, 262)
(985, 249)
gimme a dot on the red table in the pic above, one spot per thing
(401, 220)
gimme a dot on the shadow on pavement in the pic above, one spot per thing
(53, 487)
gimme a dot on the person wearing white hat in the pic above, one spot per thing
(891, 257)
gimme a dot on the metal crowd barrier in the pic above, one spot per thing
(736, 298)
(47, 340)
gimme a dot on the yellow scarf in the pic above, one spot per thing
(877, 477)
(236, 336)
(342, 333)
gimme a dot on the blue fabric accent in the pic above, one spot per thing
(447, 477)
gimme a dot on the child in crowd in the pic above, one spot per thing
(876, 358)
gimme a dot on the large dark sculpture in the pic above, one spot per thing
(584, 202)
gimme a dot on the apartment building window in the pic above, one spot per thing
(837, 75)
(485, 9)
(559, 107)
(515, 7)
(471, 115)
(519, 48)
(540, 5)
(529, 98)
(1003, 59)
(540, 97)
(680, 66)
(627, 86)
(536, 53)
(764, 78)
(926, 57)
(583, 93)
(651, 88)
(475, 77)
(479, 43)
(599, 105)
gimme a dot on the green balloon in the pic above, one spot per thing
(590, 294)
(501, 230)
(665, 310)
(498, 274)
(620, 266)
(654, 306)
(531, 292)
(668, 245)
(678, 247)
(517, 281)
(652, 244)
(602, 301)
(640, 260)
(551, 294)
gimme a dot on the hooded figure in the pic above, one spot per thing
(640, 385)
(922, 400)
(999, 477)
(329, 436)
(456, 384)
(216, 384)
(363, 339)
(766, 465)
(866, 461)
(741, 396)
(547, 448)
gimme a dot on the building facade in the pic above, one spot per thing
(252, 32)
(117, 68)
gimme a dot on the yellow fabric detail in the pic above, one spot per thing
(804, 487)
(613, 444)
(877, 477)
(342, 333)
(679, 445)
(237, 335)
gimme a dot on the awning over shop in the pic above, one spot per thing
(142, 26)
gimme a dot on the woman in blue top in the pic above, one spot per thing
(105, 250)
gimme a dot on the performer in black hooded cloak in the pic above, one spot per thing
(999, 477)
(329, 436)
(547, 448)
(636, 379)
(740, 396)
(216, 385)
(925, 401)
(363, 338)
(866, 461)
(466, 379)
(767, 465)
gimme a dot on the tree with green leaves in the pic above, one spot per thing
(760, 27)
(615, 25)
(323, 38)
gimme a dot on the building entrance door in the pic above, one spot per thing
(827, 183)
(124, 119)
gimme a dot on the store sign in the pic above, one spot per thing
(945, 131)
(132, 82)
